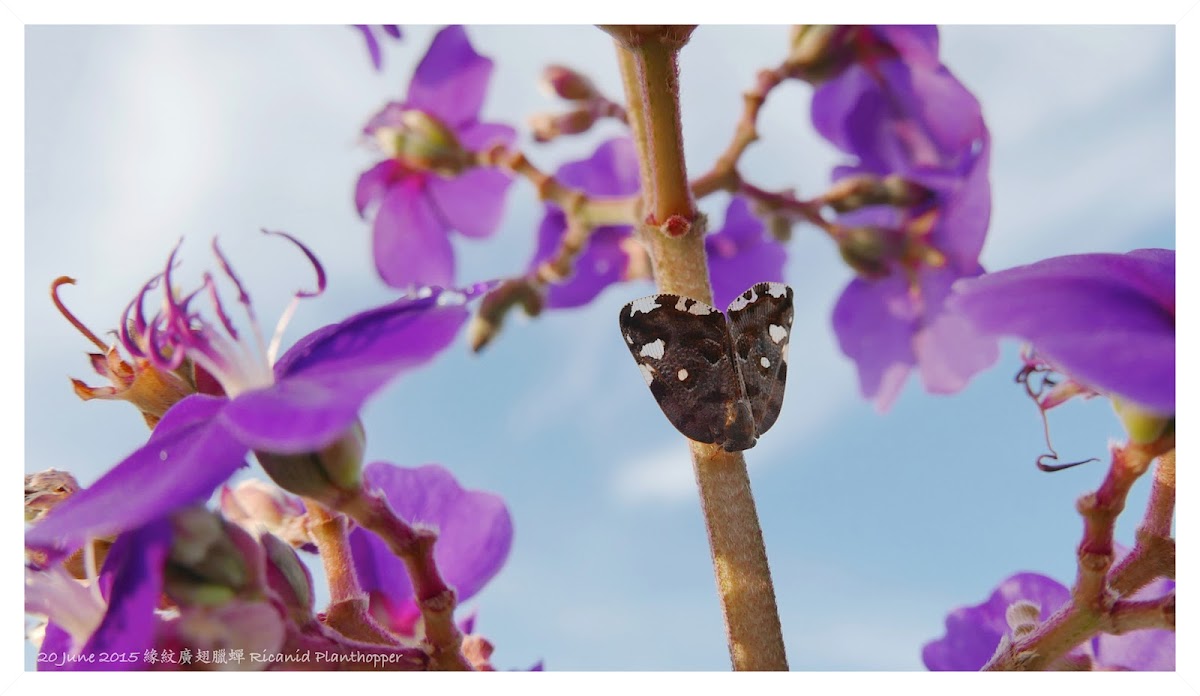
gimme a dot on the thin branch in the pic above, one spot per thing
(434, 597)
(1097, 593)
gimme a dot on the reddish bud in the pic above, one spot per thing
(567, 83)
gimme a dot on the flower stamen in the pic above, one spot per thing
(87, 333)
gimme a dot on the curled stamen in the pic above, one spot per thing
(65, 280)
(290, 310)
(139, 320)
(1049, 468)
(227, 269)
(215, 296)
(312, 259)
(1033, 368)
(158, 341)
(174, 310)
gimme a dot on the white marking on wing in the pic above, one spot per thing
(741, 301)
(700, 309)
(764, 362)
(654, 349)
(644, 304)
(683, 374)
(776, 289)
(778, 333)
(681, 305)
(647, 373)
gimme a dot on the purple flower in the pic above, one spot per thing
(474, 537)
(302, 402)
(121, 619)
(429, 185)
(973, 633)
(741, 254)
(1107, 320)
(368, 32)
(611, 171)
(900, 112)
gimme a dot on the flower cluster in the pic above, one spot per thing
(914, 203)
(429, 184)
(298, 413)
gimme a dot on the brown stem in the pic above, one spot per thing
(1132, 615)
(1153, 556)
(348, 611)
(650, 73)
(724, 175)
(583, 216)
(434, 597)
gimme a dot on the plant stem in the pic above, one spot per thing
(1097, 601)
(348, 611)
(434, 597)
(649, 69)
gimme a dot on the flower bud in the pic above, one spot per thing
(1022, 617)
(818, 52)
(205, 566)
(567, 83)
(860, 191)
(547, 127)
(327, 475)
(868, 250)
(1143, 426)
(486, 323)
(254, 504)
(46, 489)
(423, 142)
(288, 578)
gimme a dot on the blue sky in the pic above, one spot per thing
(876, 525)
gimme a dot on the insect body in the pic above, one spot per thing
(719, 378)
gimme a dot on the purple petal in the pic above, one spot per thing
(372, 45)
(1108, 320)
(874, 322)
(602, 262)
(55, 641)
(323, 380)
(133, 570)
(949, 350)
(189, 454)
(896, 118)
(742, 254)
(481, 136)
(451, 80)
(474, 532)
(612, 170)
(916, 44)
(472, 202)
(966, 212)
(373, 184)
(410, 243)
(972, 633)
